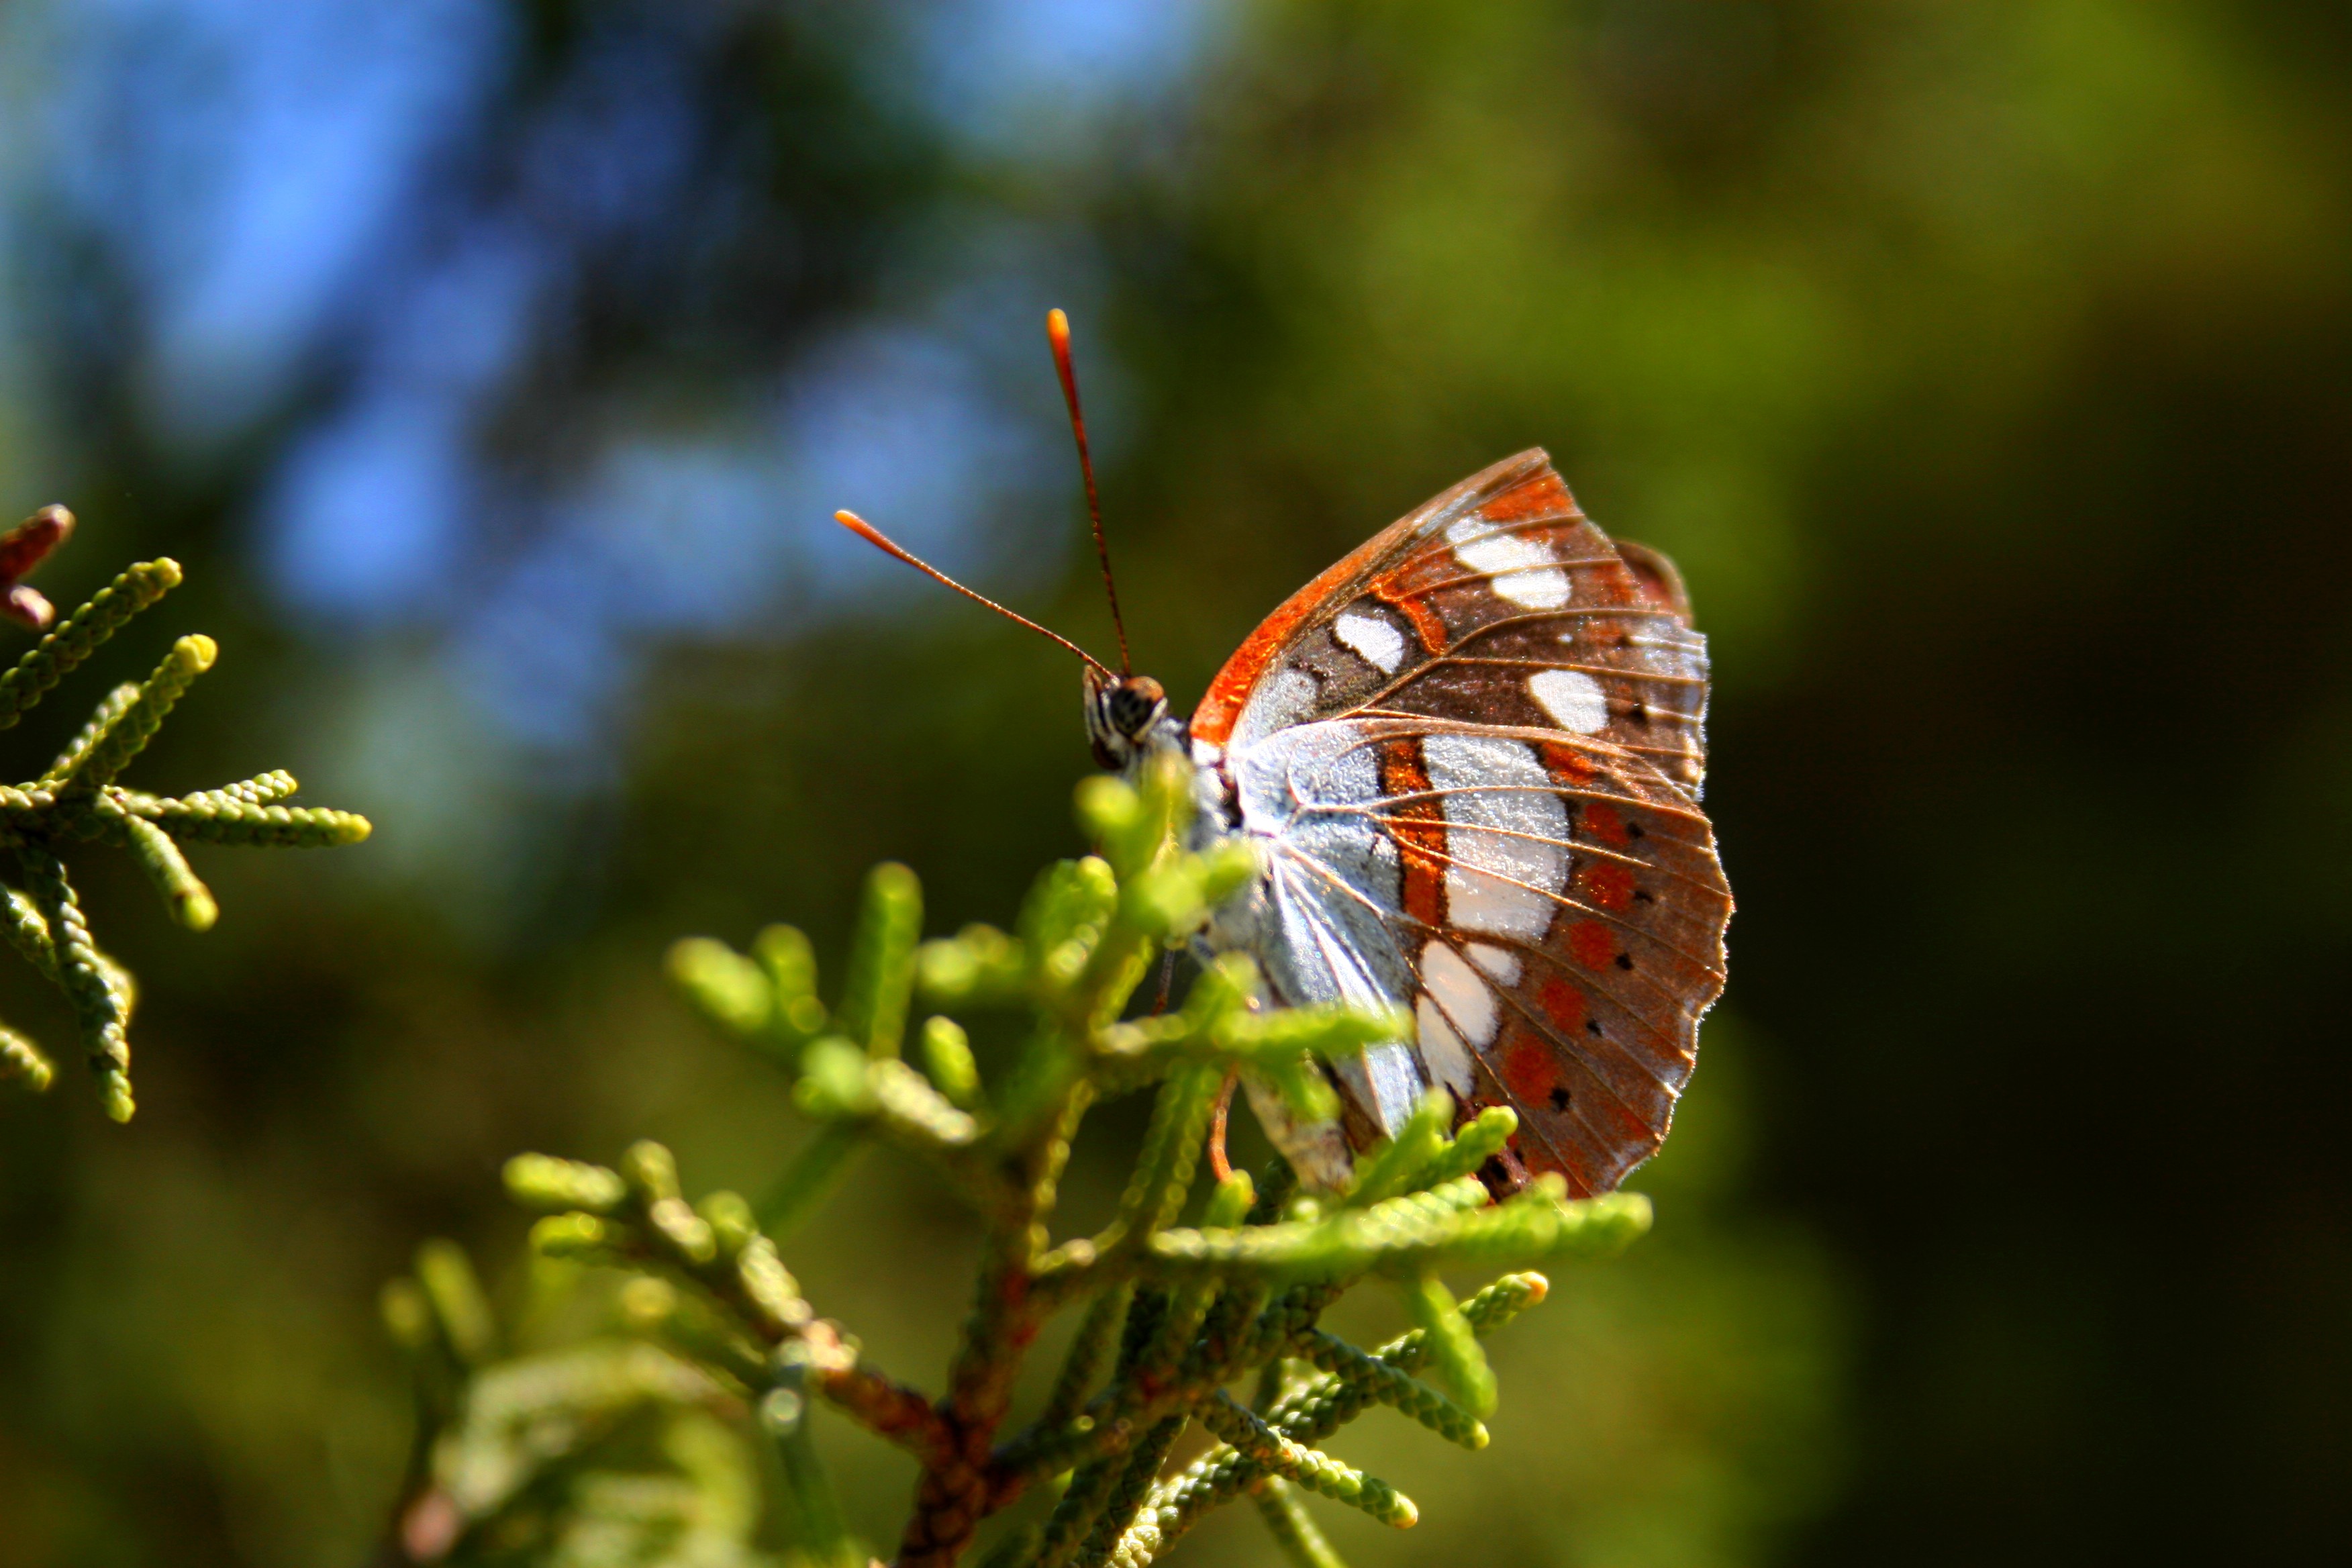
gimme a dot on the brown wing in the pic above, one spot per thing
(1534, 698)
(1550, 908)
(1498, 603)
(1563, 912)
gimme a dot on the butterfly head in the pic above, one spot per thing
(1123, 714)
(1126, 714)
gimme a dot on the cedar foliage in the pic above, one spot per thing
(613, 1449)
(76, 799)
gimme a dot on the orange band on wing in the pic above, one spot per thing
(1568, 765)
(1419, 827)
(1541, 497)
(1213, 720)
(1426, 623)
(1221, 707)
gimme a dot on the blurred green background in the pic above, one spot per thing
(492, 367)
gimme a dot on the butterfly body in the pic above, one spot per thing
(1469, 755)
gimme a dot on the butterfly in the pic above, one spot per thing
(1470, 757)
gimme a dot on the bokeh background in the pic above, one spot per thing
(492, 368)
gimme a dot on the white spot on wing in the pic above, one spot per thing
(1441, 1048)
(1372, 640)
(1488, 783)
(1523, 570)
(1572, 697)
(1499, 962)
(1459, 990)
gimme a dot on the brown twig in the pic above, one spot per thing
(956, 1492)
(886, 1407)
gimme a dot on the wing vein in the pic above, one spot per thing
(1705, 966)
(1577, 1107)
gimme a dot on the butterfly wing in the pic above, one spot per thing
(1473, 751)
(1498, 602)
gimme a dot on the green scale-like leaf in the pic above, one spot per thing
(76, 800)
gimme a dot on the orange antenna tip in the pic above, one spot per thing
(1058, 333)
(875, 536)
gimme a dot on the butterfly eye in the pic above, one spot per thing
(1134, 703)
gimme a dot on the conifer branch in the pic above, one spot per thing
(637, 1217)
(1087, 1355)
(28, 932)
(22, 1061)
(1293, 1528)
(1276, 1454)
(1173, 1313)
(218, 818)
(191, 902)
(75, 800)
(1304, 1417)
(124, 734)
(101, 1010)
(54, 657)
(103, 719)
(1389, 1386)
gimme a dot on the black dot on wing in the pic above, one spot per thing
(1641, 894)
(1624, 961)
(1559, 1100)
(1593, 1026)
(1634, 829)
(1639, 713)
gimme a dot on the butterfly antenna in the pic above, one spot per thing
(1057, 332)
(889, 546)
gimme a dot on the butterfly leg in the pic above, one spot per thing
(1219, 1166)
